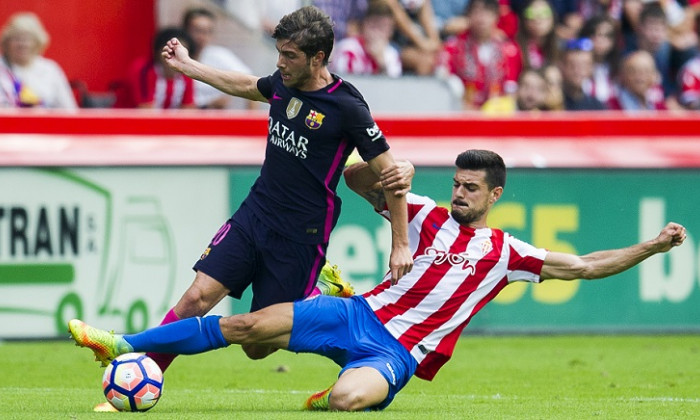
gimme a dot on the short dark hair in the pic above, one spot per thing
(190, 14)
(378, 8)
(492, 5)
(487, 160)
(310, 29)
(652, 10)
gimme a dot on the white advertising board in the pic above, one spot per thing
(113, 246)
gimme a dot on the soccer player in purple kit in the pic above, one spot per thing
(277, 239)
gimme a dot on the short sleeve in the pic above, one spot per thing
(265, 85)
(363, 131)
(525, 261)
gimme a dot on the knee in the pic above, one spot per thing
(241, 328)
(347, 400)
(248, 325)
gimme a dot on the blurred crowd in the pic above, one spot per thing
(519, 55)
(508, 55)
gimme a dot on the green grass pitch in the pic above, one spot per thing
(531, 377)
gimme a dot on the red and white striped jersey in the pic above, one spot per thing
(350, 56)
(457, 270)
(689, 84)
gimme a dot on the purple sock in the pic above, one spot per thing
(164, 359)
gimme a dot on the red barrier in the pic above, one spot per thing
(117, 137)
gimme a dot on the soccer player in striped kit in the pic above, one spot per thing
(398, 329)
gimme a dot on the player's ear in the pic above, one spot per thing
(496, 194)
(317, 59)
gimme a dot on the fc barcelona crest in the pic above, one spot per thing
(314, 119)
(293, 108)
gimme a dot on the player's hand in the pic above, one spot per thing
(673, 234)
(175, 55)
(397, 177)
(400, 263)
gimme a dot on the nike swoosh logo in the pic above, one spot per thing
(276, 96)
(435, 226)
(338, 285)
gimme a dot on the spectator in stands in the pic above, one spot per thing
(629, 21)
(42, 82)
(653, 36)
(532, 91)
(681, 17)
(151, 84)
(8, 91)
(605, 34)
(537, 38)
(554, 95)
(561, 8)
(417, 35)
(680, 20)
(487, 62)
(508, 20)
(638, 88)
(345, 15)
(586, 9)
(371, 52)
(576, 65)
(688, 79)
(530, 96)
(450, 18)
(200, 23)
(689, 84)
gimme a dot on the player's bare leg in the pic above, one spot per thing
(356, 389)
(202, 295)
(257, 351)
(270, 326)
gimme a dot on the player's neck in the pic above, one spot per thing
(318, 80)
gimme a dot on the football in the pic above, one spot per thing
(133, 382)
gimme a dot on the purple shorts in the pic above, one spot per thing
(246, 252)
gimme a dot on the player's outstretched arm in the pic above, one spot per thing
(601, 264)
(176, 56)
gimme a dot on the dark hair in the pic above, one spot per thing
(489, 4)
(527, 70)
(378, 8)
(196, 12)
(487, 160)
(310, 29)
(652, 10)
(164, 35)
(551, 43)
(589, 29)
